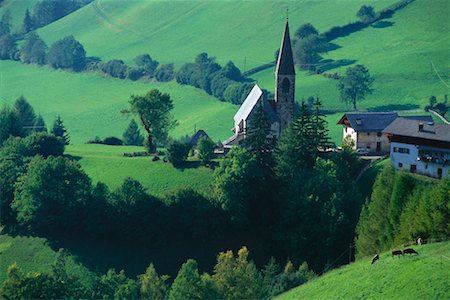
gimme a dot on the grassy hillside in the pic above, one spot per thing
(33, 254)
(91, 105)
(398, 53)
(424, 276)
(176, 31)
(106, 164)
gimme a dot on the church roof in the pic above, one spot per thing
(285, 62)
(249, 102)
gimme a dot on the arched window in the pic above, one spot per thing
(285, 86)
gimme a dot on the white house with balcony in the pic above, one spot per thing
(419, 147)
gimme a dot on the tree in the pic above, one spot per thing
(165, 73)
(231, 270)
(177, 152)
(188, 283)
(366, 13)
(39, 125)
(355, 85)
(8, 47)
(37, 143)
(321, 136)
(307, 51)
(67, 53)
(26, 114)
(5, 23)
(10, 124)
(432, 101)
(153, 110)
(132, 135)
(152, 285)
(115, 68)
(59, 130)
(146, 63)
(205, 149)
(50, 196)
(27, 23)
(306, 30)
(230, 71)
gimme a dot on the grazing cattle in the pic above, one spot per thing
(375, 258)
(410, 251)
(397, 252)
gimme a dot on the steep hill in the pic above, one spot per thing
(424, 276)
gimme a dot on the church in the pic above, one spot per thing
(279, 111)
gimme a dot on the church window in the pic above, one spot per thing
(286, 85)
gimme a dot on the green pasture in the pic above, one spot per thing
(246, 32)
(90, 104)
(424, 276)
(107, 164)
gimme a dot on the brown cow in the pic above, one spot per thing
(410, 251)
(397, 252)
(375, 258)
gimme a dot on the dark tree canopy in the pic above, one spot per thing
(26, 114)
(366, 13)
(306, 30)
(165, 73)
(59, 130)
(67, 53)
(147, 64)
(307, 51)
(10, 124)
(355, 85)
(27, 23)
(154, 111)
(33, 50)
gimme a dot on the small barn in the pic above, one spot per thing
(197, 136)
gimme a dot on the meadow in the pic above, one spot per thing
(424, 276)
(246, 32)
(107, 164)
(90, 104)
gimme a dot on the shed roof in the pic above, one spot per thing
(197, 136)
(410, 128)
(368, 121)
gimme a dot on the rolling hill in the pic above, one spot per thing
(424, 276)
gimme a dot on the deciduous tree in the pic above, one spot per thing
(355, 85)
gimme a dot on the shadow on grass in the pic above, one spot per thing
(333, 46)
(72, 157)
(196, 164)
(382, 24)
(330, 64)
(394, 107)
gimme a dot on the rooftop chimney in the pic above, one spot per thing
(420, 126)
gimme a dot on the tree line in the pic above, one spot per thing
(403, 208)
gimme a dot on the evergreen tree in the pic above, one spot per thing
(8, 47)
(132, 135)
(33, 50)
(205, 149)
(10, 124)
(59, 130)
(26, 114)
(27, 23)
(152, 285)
(39, 125)
(188, 283)
(321, 136)
(5, 23)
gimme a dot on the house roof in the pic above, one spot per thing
(410, 128)
(285, 62)
(368, 121)
(270, 112)
(427, 119)
(249, 102)
(197, 136)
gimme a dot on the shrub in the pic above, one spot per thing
(67, 53)
(112, 140)
(165, 73)
(115, 68)
(177, 153)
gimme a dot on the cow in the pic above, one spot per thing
(409, 251)
(397, 252)
(375, 258)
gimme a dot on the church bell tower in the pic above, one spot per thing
(285, 81)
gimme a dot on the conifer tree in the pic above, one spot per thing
(188, 283)
(321, 137)
(152, 285)
(39, 125)
(27, 23)
(59, 129)
(26, 114)
(33, 50)
(132, 135)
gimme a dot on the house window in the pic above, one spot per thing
(378, 133)
(401, 150)
(400, 165)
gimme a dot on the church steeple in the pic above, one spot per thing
(285, 81)
(285, 62)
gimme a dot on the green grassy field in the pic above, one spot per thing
(424, 276)
(246, 32)
(91, 105)
(399, 56)
(106, 164)
(33, 254)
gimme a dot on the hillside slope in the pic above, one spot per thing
(424, 276)
(246, 32)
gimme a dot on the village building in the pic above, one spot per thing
(420, 147)
(365, 129)
(280, 110)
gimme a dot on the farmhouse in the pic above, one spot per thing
(279, 111)
(366, 129)
(420, 147)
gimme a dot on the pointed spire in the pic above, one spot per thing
(285, 63)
